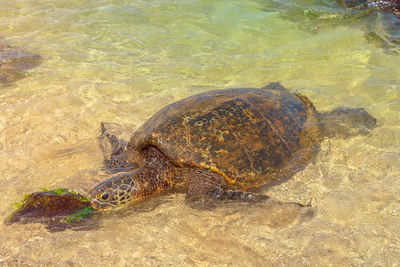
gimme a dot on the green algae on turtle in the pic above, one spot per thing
(218, 144)
(14, 62)
(58, 209)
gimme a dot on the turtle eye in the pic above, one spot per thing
(105, 196)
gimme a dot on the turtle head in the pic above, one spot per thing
(114, 192)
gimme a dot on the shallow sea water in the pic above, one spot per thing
(120, 61)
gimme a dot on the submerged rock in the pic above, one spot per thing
(58, 209)
(378, 19)
(389, 6)
(14, 62)
(383, 27)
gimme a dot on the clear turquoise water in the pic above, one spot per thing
(120, 61)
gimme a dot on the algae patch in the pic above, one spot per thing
(61, 191)
(58, 209)
(80, 215)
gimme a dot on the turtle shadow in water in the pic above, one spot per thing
(14, 62)
(282, 214)
(269, 213)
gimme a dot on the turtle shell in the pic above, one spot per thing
(249, 136)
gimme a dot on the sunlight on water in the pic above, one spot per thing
(120, 61)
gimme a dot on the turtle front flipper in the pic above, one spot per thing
(204, 185)
(117, 157)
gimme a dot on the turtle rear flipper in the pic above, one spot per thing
(346, 122)
(117, 158)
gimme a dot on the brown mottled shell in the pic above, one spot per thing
(250, 136)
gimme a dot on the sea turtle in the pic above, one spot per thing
(218, 144)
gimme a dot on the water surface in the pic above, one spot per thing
(120, 61)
